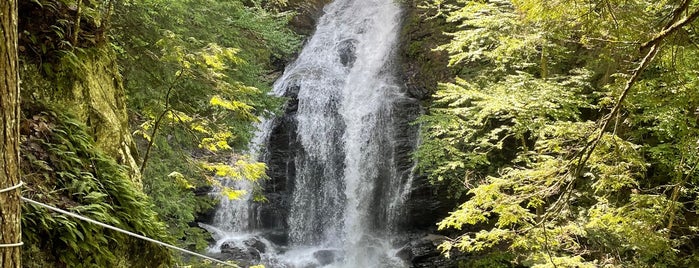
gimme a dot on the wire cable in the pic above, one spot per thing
(126, 232)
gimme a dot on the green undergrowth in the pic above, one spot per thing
(62, 167)
(170, 184)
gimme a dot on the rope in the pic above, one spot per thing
(12, 187)
(11, 245)
(126, 232)
(7, 190)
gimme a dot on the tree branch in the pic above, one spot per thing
(654, 46)
(676, 25)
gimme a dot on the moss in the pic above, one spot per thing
(88, 81)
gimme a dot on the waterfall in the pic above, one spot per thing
(345, 169)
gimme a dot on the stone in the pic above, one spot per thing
(202, 190)
(405, 253)
(243, 255)
(257, 244)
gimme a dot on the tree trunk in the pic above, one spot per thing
(76, 30)
(10, 230)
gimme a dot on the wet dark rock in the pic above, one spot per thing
(346, 50)
(278, 64)
(205, 216)
(415, 91)
(243, 255)
(271, 215)
(292, 104)
(280, 152)
(422, 248)
(427, 204)
(278, 237)
(203, 190)
(405, 253)
(307, 14)
(326, 256)
(423, 253)
(257, 244)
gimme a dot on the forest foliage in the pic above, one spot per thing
(571, 131)
(574, 137)
(197, 77)
(196, 74)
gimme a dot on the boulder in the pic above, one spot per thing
(257, 244)
(243, 255)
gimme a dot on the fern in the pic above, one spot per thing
(89, 183)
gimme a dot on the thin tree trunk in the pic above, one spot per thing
(158, 120)
(10, 228)
(106, 22)
(76, 30)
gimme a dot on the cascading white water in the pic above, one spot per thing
(350, 176)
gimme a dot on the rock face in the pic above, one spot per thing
(308, 12)
(94, 92)
(422, 67)
(271, 216)
(256, 244)
(423, 253)
(426, 206)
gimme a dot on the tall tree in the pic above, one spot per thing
(10, 232)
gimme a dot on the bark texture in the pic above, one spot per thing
(10, 230)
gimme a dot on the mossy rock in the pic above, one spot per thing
(88, 82)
